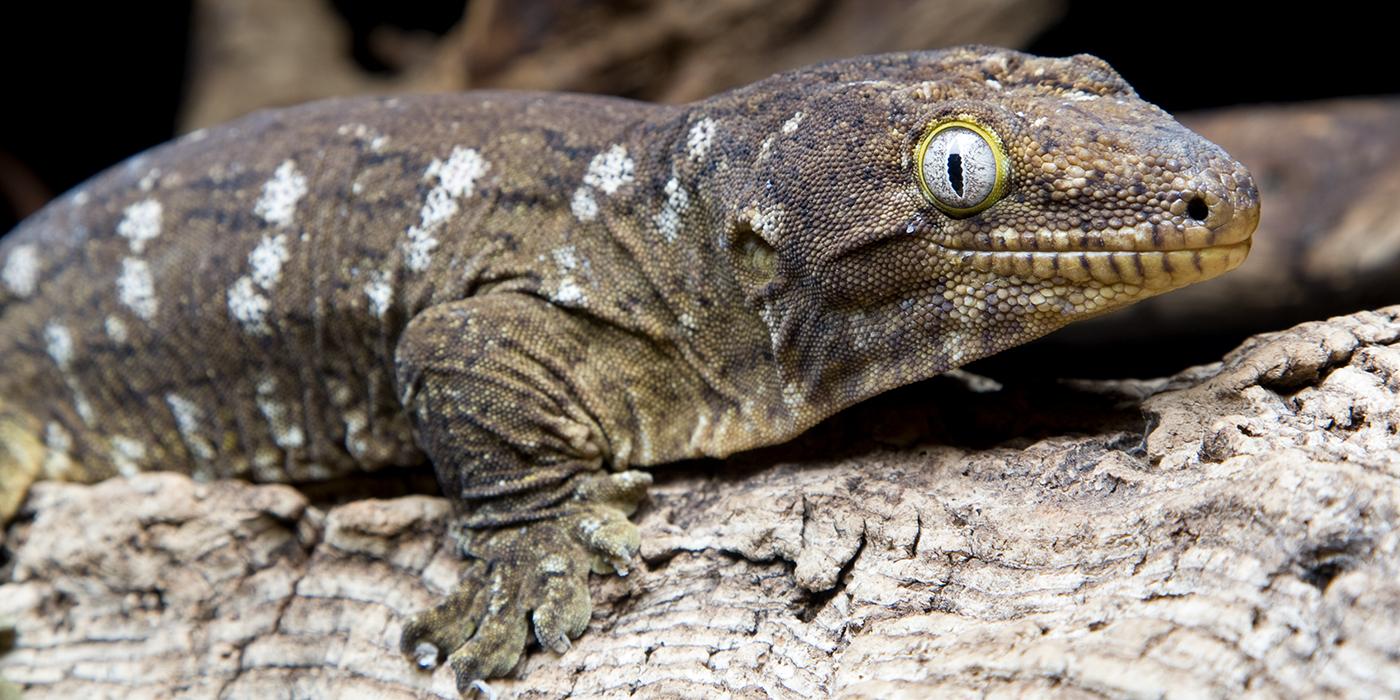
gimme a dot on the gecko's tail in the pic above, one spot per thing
(21, 458)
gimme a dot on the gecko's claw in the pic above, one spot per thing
(529, 578)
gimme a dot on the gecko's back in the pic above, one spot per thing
(229, 304)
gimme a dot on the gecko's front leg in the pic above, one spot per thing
(504, 390)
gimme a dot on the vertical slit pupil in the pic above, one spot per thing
(955, 174)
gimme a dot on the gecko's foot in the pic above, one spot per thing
(529, 578)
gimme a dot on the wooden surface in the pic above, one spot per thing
(1231, 530)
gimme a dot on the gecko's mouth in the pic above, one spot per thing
(1155, 257)
(1156, 270)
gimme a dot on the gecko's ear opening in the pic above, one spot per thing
(755, 254)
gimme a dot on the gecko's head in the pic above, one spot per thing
(945, 206)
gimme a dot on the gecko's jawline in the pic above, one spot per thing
(1151, 269)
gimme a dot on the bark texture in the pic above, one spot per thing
(1228, 531)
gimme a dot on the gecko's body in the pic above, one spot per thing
(537, 293)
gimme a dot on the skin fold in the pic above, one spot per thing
(540, 293)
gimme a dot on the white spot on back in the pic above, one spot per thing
(136, 289)
(380, 293)
(127, 454)
(669, 219)
(699, 433)
(248, 306)
(60, 345)
(187, 419)
(148, 182)
(567, 260)
(993, 83)
(569, 292)
(610, 170)
(364, 134)
(767, 147)
(790, 126)
(356, 431)
(565, 257)
(278, 203)
(701, 136)
(116, 329)
(140, 223)
(81, 405)
(266, 260)
(285, 433)
(21, 273)
(456, 178)
(58, 442)
(583, 205)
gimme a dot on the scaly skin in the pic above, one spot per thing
(538, 293)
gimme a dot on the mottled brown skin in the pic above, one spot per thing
(749, 265)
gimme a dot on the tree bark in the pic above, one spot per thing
(1230, 530)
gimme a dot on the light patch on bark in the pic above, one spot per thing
(136, 289)
(21, 272)
(456, 178)
(140, 224)
(700, 138)
(278, 204)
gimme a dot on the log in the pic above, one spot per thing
(1225, 531)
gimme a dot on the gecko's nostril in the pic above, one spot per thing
(1196, 208)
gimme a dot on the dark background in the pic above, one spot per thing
(87, 86)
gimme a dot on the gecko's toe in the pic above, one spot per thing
(563, 613)
(531, 577)
(612, 538)
(433, 633)
(621, 490)
(494, 650)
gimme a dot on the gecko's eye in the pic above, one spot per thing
(962, 167)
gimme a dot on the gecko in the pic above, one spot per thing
(541, 294)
